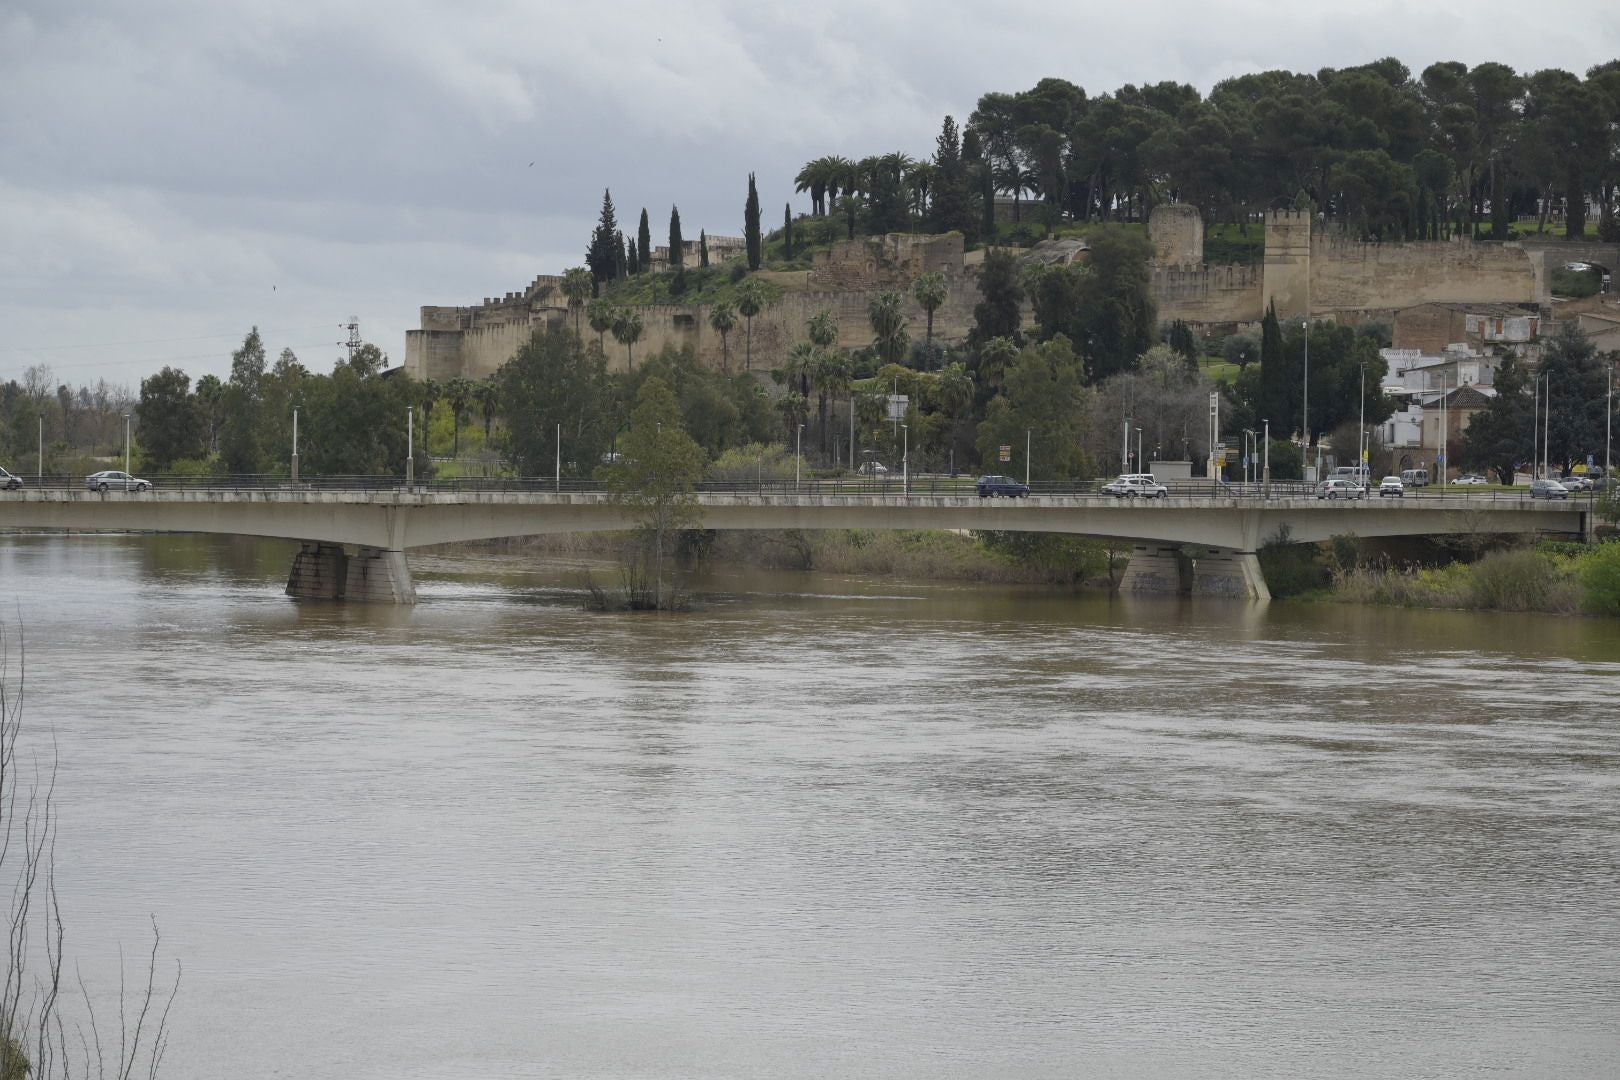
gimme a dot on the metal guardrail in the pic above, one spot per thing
(891, 486)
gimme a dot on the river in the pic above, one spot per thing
(823, 826)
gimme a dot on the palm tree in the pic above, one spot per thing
(749, 302)
(839, 169)
(488, 395)
(995, 357)
(458, 392)
(577, 285)
(955, 390)
(791, 406)
(930, 293)
(920, 179)
(799, 366)
(813, 178)
(832, 377)
(627, 330)
(724, 320)
(889, 324)
(601, 315)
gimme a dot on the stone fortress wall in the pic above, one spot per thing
(1328, 275)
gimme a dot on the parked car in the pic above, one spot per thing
(1472, 478)
(1135, 485)
(1333, 488)
(9, 481)
(1548, 489)
(991, 486)
(114, 480)
(1391, 485)
(873, 468)
(1576, 483)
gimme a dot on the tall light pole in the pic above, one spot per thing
(798, 441)
(1249, 439)
(126, 443)
(39, 477)
(1305, 391)
(1265, 471)
(410, 445)
(1125, 447)
(1535, 429)
(1139, 462)
(1608, 427)
(295, 445)
(557, 475)
(905, 459)
(1363, 474)
(1027, 432)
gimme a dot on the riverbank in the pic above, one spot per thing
(1560, 579)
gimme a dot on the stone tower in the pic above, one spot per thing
(1177, 232)
(1288, 262)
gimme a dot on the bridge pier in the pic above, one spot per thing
(1173, 569)
(371, 575)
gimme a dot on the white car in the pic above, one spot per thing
(1391, 485)
(1471, 478)
(1340, 489)
(1135, 486)
(113, 480)
(1576, 483)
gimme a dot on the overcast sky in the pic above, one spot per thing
(173, 172)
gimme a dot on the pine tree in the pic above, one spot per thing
(604, 254)
(644, 238)
(703, 248)
(751, 224)
(787, 230)
(677, 253)
(949, 208)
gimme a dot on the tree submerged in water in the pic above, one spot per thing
(38, 1039)
(655, 476)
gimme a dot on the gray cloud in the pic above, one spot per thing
(174, 171)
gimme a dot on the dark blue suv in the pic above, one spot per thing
(990, 486)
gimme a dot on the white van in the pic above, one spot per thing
(1415, 477)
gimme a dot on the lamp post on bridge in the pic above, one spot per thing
(1250, 437)
(1027, 434)
(410, 445)
(1139, 461)
(126, 444)
(1265, 449)
(295, 446)
(905, 459)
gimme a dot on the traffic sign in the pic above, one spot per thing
(1006, 453)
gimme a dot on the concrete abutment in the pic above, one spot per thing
(371, 575)
(1178, 570)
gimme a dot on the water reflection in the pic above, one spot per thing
(827, 825)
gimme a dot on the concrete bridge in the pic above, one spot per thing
(354, 541)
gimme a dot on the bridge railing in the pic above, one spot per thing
(889, 485)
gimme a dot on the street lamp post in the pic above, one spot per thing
(1305, 393)
(295, 445)
(1265, 449)
(1363, 474)
(1139, 461)
(39, 462)
(1026, 456)
(1608, 428)
(1125, 447)
(557, 465)
(126, 442)
(410, 445)
(1250, 437)
(905, 459)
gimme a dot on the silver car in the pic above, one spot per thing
(114, 480)
(9, 481)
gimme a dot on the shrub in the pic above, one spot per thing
(1523, 580)
(1599, 571)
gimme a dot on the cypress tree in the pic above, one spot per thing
(703, 248)
(632, 258)
(621, 261)
(787, 230)
(751, 224)
(644, 238)
(601, 255)
(677, 255)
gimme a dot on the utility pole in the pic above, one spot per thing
(353, 327)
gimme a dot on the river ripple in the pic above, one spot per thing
(825, 826)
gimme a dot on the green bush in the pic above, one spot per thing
(1599, 571)
(1523, 580)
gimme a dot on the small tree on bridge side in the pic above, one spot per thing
(656, 477)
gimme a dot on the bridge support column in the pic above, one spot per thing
(379, 576)
(1173, 570)
(319, 572)
(1153, 568)
(1233, 574)
(370, 575)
